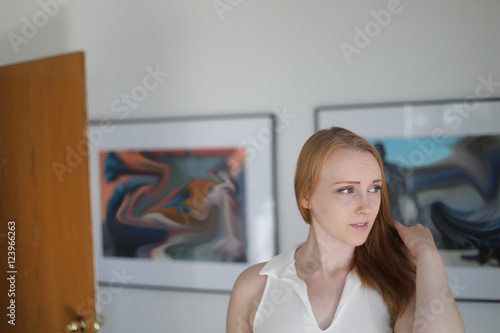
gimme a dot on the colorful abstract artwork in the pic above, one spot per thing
(182, 202)
(174, 204)
(449, 184)
(442, 166)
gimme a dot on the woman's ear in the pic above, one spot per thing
(305, 203)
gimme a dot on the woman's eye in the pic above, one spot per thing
(375, 189)
(346, 190)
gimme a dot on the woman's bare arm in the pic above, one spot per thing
(433, 308)
(245, 298)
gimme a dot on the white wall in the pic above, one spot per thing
(263, 55)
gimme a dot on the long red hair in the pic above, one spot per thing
(381, 262)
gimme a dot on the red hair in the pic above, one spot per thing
(381, 262)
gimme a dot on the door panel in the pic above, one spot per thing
(44, 190)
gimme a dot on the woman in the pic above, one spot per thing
(354, 272)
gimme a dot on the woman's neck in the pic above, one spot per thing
(323, 254)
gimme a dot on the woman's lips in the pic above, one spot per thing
(360, 226)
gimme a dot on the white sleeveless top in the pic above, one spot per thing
(285, 306)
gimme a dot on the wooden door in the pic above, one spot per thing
(47, 277)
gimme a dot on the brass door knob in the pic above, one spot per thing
(98, 323)
(79, 325)
(72, 326)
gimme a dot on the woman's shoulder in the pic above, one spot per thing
(250, 281)
(245, 298)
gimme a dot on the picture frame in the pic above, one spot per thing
(442, 161)
(183, 203)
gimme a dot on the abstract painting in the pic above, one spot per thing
(450, 186)
(174, 204)
(442, 168)
(182, 203)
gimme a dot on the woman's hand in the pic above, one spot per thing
(421, 315)
(417, 239)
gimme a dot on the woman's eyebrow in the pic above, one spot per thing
(355, 182)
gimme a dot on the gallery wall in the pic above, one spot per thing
(230, 57)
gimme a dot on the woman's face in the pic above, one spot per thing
(346, 199)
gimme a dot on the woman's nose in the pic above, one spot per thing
(364, 205)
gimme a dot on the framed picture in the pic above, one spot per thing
(442, 165)
(182, 203)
